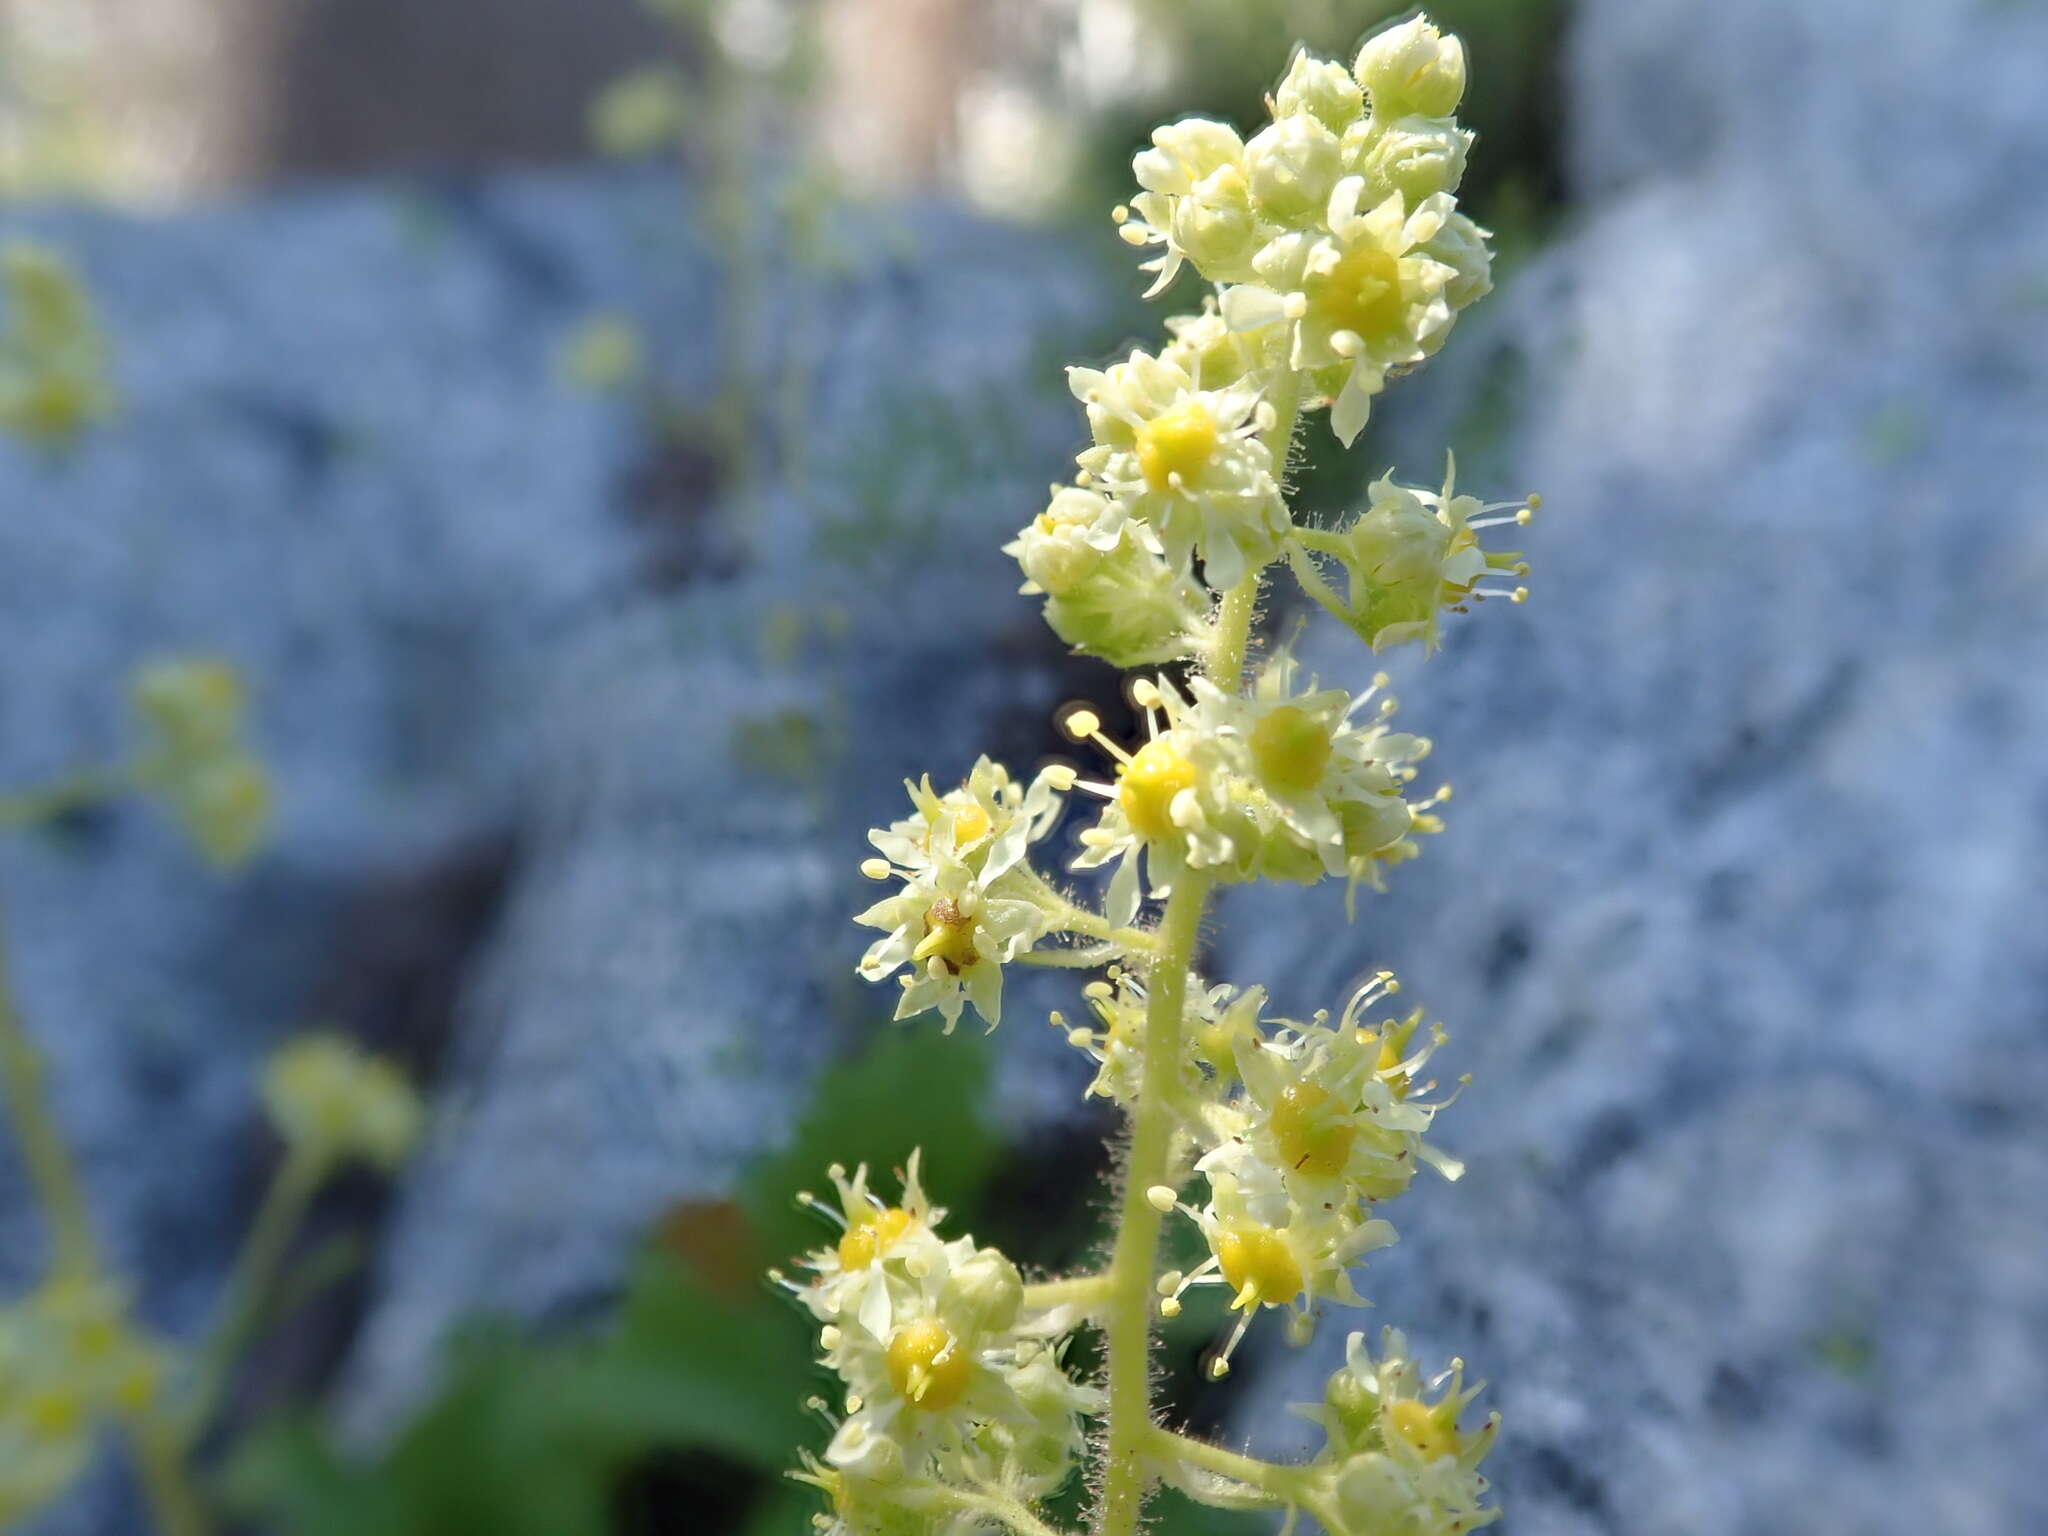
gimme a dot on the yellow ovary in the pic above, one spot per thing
(1259, 1265)
(948, 937)
(1425, 1429)
(928, 1365)
(1362, 294)
(1314, 1130)
(868, 1239)
(1147, 784)
(1179, 441)
(1292, 748)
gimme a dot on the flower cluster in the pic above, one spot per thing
(1396, 1458)
(953, 1377)
(1334, 229)
(1337, 259)
(1281, 783)
(1326, 1122)
(53, 358)
(68, 1358)
(195, 757)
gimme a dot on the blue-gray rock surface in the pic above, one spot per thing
(562, 734)
(1739, 919)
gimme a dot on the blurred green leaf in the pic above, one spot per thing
(531, 1437)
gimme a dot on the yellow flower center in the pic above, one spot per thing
(871, 1237)
(1147, 784)
(1362, 293)
(1292, 748)
(970, 824)
(928, 1366)
(1313, 1129)
(1424, 1428)
(1257, 1260)
(948, 937)
(1179, 441)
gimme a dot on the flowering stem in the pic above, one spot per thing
(172, 1504)
(1091, 1293)
(255, 1275)
(74, 791)
(1129, 1329)
(75, 1248)
(1312, 581)
(1012, 1512)
(1275, 1482)
(43, 1148)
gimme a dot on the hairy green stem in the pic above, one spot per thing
(1091, 1293)
(1126, 1474)
(1281, 1484)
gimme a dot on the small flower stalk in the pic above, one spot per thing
(1336, 259)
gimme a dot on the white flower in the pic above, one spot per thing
(986, 823)
(1362, 299)
(1413, 553)
(955, 930)
(1110, 594)
(1214, 1022)
(880, 1249)
(1332, 1110)
(1196, 203)
(969, 905)
(949, 1376)
(1214, 356)
(1270, 1249)
(1187, 462)
(1397, 1458)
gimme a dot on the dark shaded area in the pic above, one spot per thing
(364, 85)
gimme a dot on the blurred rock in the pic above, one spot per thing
(1739, 921)
(575, 743)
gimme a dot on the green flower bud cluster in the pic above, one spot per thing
(69, 1358)
(54, 380)
(333, 1104)
(196, 760)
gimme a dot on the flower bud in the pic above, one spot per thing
(1461, 245)
(1322, 89)
(1055, 548)
(983, 1294)
(1185, 153)
(1133, 610)
(1412, 69)
(1212, 354)
(333, 1103)
(1214, 226)
(1415, 156)
(1395, 556)
(1292, 165)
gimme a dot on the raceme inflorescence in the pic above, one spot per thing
(1337, 259)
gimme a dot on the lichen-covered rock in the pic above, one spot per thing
(1739, 919)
